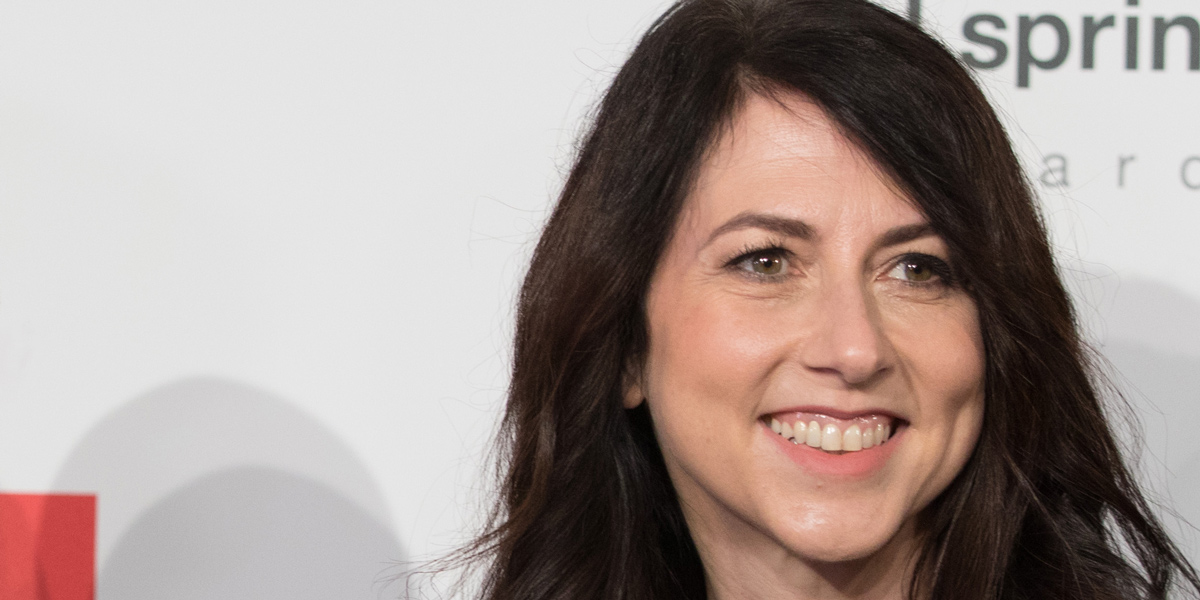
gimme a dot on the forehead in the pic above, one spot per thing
(783, 155)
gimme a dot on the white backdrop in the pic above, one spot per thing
(257, 258)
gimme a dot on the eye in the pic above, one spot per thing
(770, 262)
(912, 270)
(921, 269)
(766, 264)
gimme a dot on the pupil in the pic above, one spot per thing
(918, 272)
(767, 264)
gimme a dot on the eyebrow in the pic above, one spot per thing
(752, 220)
(902, 234)
(799, 229)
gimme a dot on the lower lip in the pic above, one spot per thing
(861, 463)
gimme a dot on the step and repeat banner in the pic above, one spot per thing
(258, 262)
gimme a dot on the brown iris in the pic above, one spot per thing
(915, 271)
(767, 264)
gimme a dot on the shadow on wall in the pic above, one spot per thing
(254, 534)
(213, 489)
(1150, 332)
(1165, 389)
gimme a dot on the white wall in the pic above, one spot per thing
(257, 258)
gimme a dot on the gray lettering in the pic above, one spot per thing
(1123, 160)
(1025, 57)
(1090, 28)
(914, 11)
(1131, 43)
(1055, 175)
(999, 48)
(1161, 26)
(1183, 173)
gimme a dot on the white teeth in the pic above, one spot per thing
(831, 438)
(813, 436)
(852, 439)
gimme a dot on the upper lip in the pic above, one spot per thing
(839, 413)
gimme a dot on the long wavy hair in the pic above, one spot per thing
(1045, 507)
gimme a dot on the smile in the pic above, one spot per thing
(831, 434)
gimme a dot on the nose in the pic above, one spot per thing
(847, 337)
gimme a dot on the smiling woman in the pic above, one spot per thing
(794, 330)
(801, 301)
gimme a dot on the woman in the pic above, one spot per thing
(794, 330)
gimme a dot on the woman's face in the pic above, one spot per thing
(801, 287)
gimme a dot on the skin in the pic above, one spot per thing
(750, 314)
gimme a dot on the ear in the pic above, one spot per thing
(631, 381)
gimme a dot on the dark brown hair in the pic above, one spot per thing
(1045, 508)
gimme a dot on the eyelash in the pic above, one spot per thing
(946, 276)
(940, 268)
(749, 252)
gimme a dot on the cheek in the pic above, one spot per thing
(705, 375)
(707, 350)
(961, 361)
(941, 350)
(943, 356)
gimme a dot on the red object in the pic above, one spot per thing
(47, 547)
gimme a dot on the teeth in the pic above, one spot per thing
(831, 439)
(813, 437)
(852, 439)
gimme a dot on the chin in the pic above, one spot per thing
(843, 542)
